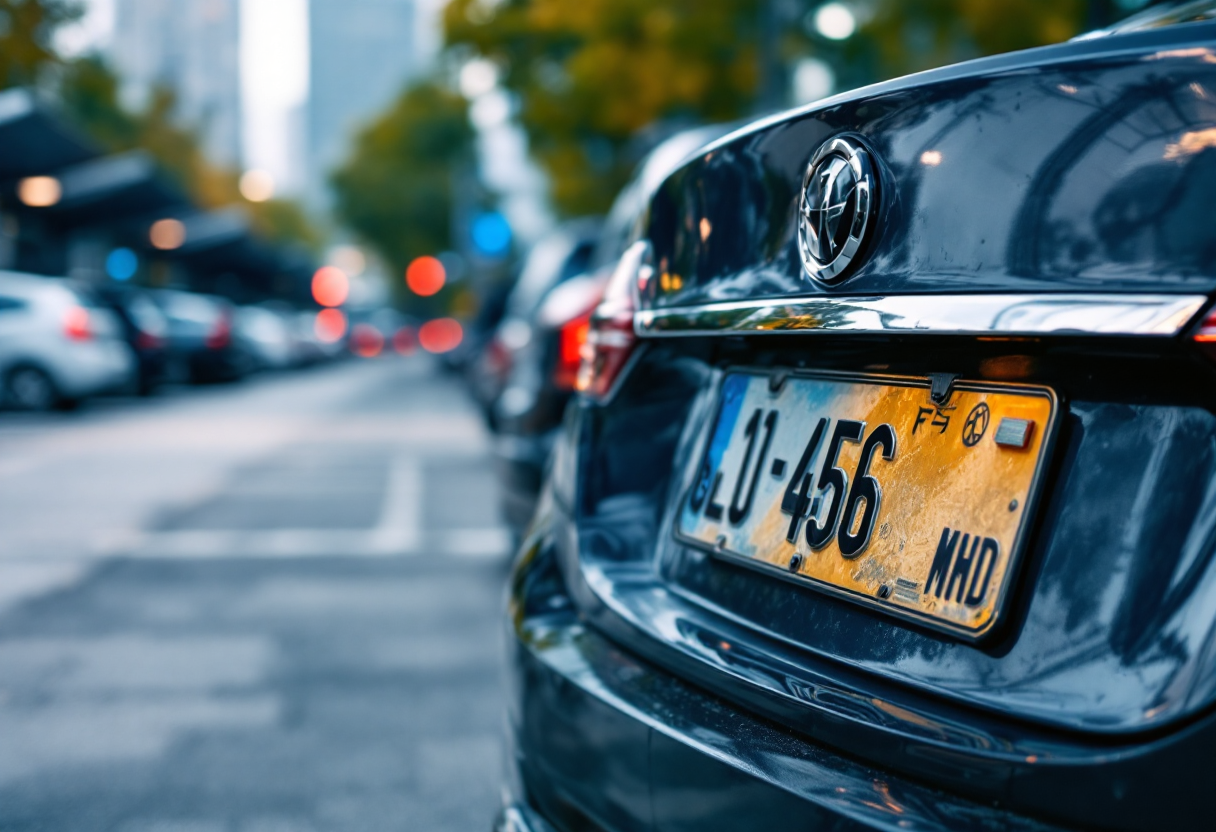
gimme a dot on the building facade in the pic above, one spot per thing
(361, 54)
(193, 48)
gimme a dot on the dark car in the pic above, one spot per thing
(526, 371)
(146, 331)
(539, 344)
(890, 502)
(202, 345)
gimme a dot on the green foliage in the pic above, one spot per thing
(589, 74)
(26, 28)
(904, 36)
(396, 190)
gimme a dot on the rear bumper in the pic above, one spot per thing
(601, 740)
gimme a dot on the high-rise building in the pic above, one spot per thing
(361, 53)
(192, 47)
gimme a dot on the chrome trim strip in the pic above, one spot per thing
(1038, 314)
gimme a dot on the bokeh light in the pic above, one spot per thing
(349, 259)
(405, 341)
(835, 21)
(440, 335)
(257, 185)
(39, 191)
(330, 325)
(330, 286)
(366, 341)
(491, 234)
(425, 276)
(121, 264)
(167, 234)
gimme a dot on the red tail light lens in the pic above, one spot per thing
(570, 341)
(149, 341)
(610, 336)
(1205, 336)
(76, 324)
(221, 334)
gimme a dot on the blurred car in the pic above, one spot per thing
(58, 344)
(267, 336)
(202, 347)
(540, 340)
(562, 254)
(889, 501)
(146, 331)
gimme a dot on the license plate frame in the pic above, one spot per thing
(1041, 449)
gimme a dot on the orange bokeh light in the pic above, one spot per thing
(440, 335)
(330, 286)
(366, 341)
(330, 325)
(425, 276)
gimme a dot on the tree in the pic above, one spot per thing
(397, 188)
(26, 29)
(903, 36)
(589, 75)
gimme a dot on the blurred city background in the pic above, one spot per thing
(292, 296)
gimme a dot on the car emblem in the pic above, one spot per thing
(839, 193)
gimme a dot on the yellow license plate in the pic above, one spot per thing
(868, 488)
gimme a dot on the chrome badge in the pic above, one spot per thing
(839, 192)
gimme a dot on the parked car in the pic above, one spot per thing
(58, 344)
(562, 254)
(266, 336)
(201, 343)
(890, 498)
(145, 329)
(539, 344)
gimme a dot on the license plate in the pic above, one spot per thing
(866, 487)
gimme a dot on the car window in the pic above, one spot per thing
(190, 308)
(145, 315)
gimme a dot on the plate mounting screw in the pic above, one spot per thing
(795, 562)
(1013, 504)
(776, 381)
(884, 592)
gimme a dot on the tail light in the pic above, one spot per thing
(571, 338)
(221, 333)
(149, 341)
(76, 324)
(1205, 335)
(610, 336)
(567, 311)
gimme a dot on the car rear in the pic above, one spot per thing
(56, 333)
(924, 541)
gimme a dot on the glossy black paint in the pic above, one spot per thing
(1088, 166)
(763, 703)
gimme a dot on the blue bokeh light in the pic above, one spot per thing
(491, 234)
(121, 264)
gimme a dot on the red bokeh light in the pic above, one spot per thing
(330, 286)
(425, 276)
(405, 342)
(330, 325)
(440, 335)
(76, 324)
(366, 341)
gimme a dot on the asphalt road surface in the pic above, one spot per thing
(267, 607)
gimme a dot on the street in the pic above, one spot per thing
(262, 607)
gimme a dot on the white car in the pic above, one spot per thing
(57, 344)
